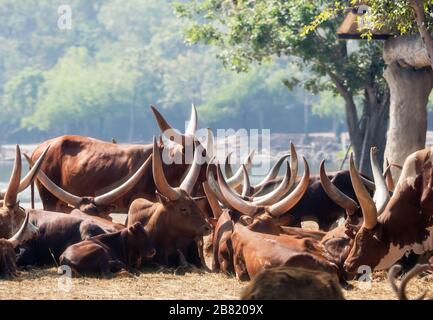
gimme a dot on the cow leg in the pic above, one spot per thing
(193, 255)
(49, 201)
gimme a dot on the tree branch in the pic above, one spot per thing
(418, 8)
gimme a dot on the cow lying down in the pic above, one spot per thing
(106, 254)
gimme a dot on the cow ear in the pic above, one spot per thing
(161, 198)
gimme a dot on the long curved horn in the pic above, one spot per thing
(209, 145)
(368, 207)
(11, 193)
(401, 291)
(294, 197)
(233, 199)
(194, 170)
(26, 232)
(293, 164)
(213, 184)
(388, 175)
(237, 178)
(30, 176)
(227, 166)
(381, 195)
(213, 200)
(277, 193)
(168, 131)
(159, 176)
(54, 189)
(192, 124)
(120, 191)
(246, 185)
(273, 172)
(335, 194)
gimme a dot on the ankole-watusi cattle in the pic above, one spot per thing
(405, 223)
(8, 267)
(11, 214)
(88, 167)
(335, 243)
(109, 253)
(95, 206)
(174, 221)
(288, 283)
(57, 231)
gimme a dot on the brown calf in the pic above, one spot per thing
(109, 253)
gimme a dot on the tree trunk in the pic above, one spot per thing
(410, 89)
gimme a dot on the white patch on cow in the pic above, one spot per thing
(426, 245)
(396, 252)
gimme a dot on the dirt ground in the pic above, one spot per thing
(168, 284)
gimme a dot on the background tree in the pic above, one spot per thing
(409, 73)
(258, 31)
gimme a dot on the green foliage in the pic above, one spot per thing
(257, 31)
(100, 77)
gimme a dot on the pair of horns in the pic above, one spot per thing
(27, 231)
(251, 208)
(370, 208)
(235, 180)
(16, 185)
(104, 199)
(381, 195)
(188, 182)
(172, 134)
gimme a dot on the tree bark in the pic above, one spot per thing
(410, 89)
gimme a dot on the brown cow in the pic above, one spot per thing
(11, 214)
(109, 253)
(88, 167)
(57, 231)
(95, 206)
(254, 252)
(8, 268)
(405, 223)
(287, 283)
(174, 221)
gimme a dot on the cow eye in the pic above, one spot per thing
(183, 210)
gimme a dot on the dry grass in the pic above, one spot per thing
(167, 284)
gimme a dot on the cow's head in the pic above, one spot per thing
(138, 245)
(180, 210)
(26, 232)
(389, 230)
(11, 214)
(101, 205)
